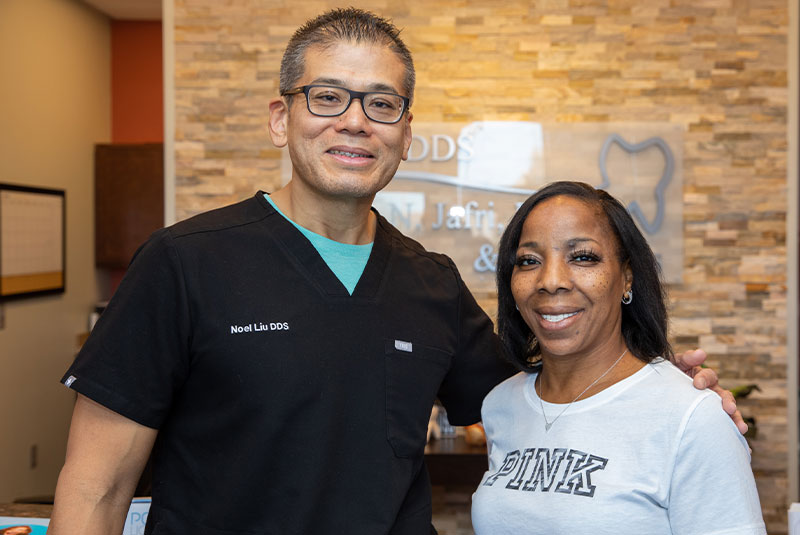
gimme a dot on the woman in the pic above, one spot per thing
(600, 433)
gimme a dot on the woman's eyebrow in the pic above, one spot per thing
(572, 242)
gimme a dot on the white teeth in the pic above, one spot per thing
(557, 317)
(349, 154)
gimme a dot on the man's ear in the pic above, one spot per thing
(278, 121)
(407, 137)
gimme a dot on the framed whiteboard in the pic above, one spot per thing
(32, 241)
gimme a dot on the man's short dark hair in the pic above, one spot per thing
(343, 25)
(644, 321)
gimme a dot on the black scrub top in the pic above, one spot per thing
(285, 405)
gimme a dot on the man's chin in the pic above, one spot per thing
(359, 190)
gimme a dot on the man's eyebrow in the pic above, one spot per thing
(382, 87)
(376, 86)
(328, 81)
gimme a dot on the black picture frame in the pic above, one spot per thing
(32, 241)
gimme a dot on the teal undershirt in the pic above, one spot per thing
(347, 261)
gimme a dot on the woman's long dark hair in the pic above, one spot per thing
(644, 321)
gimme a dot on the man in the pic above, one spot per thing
(280, 356)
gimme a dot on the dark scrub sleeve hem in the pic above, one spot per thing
(110, 400)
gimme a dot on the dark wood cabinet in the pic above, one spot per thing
(451, 461)
(129, 199)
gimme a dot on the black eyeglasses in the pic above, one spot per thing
(332, 101)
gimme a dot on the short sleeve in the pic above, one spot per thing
(137, 354)
(477, 366)
(712, 488)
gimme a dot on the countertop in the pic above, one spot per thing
(26, 510)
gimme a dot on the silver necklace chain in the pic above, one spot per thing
(548, 425)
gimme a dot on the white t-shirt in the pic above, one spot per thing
(649, 455)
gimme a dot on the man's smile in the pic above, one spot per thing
(349, 154)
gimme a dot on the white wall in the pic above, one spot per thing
(54, 106)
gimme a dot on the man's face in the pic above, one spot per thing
(349, 155)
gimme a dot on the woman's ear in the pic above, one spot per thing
(628, 272)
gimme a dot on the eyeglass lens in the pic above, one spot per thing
(330, 101)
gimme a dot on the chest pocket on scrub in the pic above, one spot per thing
(413, 375)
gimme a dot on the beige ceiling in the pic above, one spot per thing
(128, 9)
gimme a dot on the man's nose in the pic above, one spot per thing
(354, 118)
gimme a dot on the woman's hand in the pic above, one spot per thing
(690, 362)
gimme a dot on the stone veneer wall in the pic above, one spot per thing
(717, 68)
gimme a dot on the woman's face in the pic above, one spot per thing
(567, 280)
(19, 530)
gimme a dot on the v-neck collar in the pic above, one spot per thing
(311, 264)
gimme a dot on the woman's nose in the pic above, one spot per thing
(554, 276)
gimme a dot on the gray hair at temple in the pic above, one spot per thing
(343, 25)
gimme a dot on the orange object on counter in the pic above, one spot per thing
(475, 435)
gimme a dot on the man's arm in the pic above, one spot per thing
(106, 454)
(690, 362)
